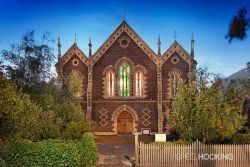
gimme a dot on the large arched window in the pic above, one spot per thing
(75, 83)
(174, 84)
(110, 83)
(138, 83)
(124, 75)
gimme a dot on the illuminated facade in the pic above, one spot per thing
(125, 86)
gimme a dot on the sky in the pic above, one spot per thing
(207, 19)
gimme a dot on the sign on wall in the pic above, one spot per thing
(160, 137)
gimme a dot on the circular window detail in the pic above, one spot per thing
(75, 62)
(124, 41)
(175, 60)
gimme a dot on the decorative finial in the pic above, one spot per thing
(90, 47)
(75, 38)
(192, 45)
(175, 36)
(59, 48)
(124, 15)
(159, 45)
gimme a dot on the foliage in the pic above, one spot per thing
(1, 68)
(18, 115)
(240, 138)
(238, 26)
(30, 61)
(51, 114)
(51, 153)
(200, 111)
(74, 83)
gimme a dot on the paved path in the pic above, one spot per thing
(112, 155)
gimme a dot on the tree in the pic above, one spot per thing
(238, 26)
(30, 61)
(51, 114)
(200, 111)
(1, 68)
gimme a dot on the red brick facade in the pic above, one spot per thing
(147, 111)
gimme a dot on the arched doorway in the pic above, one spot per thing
(125, 123)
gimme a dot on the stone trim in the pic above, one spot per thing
(159, 99)
(89, 93)
(105, 80)
(124, 38)
(176, 47)
(73, 50)
(118, 111)
(146, 117)
(103, 117)
(124, 27)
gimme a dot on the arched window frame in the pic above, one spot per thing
(174, 84)
(138, 83)
(77, 75)
(140, 86)
(110, 83)
(174, 81)
(106, 82)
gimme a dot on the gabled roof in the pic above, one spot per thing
(73, 50)
(124, 27)
(176, 47)
(242, 74)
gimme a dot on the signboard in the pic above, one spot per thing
(160, 137)
(146, 131)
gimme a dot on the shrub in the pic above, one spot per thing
(51, 153)
(240, 138)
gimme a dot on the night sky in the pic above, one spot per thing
(207, 19)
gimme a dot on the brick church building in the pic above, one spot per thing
(125, 87)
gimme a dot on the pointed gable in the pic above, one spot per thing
(73, 50)
(124, 27)
(176, 47)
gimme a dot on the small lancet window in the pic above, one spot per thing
(138, 83)
(174, 84)
(75, 83)
(124, 75)
(110, 83)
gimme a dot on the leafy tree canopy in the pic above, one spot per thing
(30, 60)
(203, 111)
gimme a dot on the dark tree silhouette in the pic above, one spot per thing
(238, 26)
(29, 62)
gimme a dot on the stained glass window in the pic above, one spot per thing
(124, 73)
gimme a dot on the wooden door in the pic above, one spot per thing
(125, 123)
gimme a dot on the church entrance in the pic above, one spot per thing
(125, 123)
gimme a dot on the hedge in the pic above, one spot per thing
(51, 153)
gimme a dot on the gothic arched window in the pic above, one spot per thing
(110, 83)
(138, 83)
(174, 84)
(124, 75)
(75, 83)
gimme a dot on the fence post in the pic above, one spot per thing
(136, 149)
